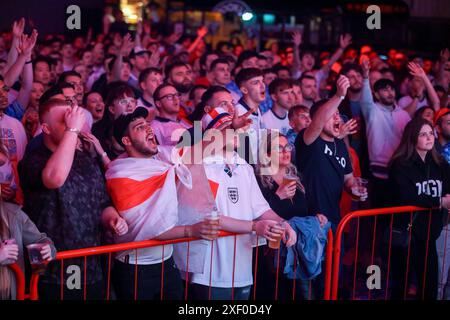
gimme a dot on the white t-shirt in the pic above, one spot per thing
(254, 131)
(270, 120)
(238, 197)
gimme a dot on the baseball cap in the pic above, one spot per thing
(442, 112)
(122, 122)
(217, 118)
(137, 51)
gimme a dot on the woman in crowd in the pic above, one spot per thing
(419, 177)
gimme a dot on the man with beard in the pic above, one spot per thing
(179, 75)
(325, 163)
(323, 158)
(351, 109)
(308, 86)
(143, 189)
(385, 122)
(167, 126)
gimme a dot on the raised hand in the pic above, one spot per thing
(147, 28)
(342, 86)
(242, 121)
(154, 59)
(348, 128)
(297, 38)
(202, 31)
(416, 70)
(127, 45)
(27, 43)
(75, 118)
(345, 40)
(139, 28)
(18, 27)
(365, 64)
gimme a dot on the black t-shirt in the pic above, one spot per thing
(286, 208)
(323, 165)
(69, 215)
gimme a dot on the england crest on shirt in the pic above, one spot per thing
(233, 195)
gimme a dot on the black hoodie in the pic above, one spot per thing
(419, 183)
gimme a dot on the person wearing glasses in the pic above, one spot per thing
(285, 194)
(167, 126)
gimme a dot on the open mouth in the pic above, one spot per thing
(336, 126)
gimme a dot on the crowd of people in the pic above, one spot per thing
(99, 139)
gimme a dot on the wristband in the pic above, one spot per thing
(75, 130)
(28, 62)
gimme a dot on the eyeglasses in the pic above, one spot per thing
(127, 101)
(71, 100)
(286, 148)
(5, 88)
(170, 96)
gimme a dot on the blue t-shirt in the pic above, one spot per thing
(323, 165)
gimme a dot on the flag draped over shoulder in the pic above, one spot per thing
(145, 194)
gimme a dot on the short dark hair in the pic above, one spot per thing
(117, 90)
(306, 51)
(146, 72)
(383, 84)
(211, 91)
(279, 84)
(218, 61)
(269, 70)
(88, 94)
(65, 74)
(204, 57)
(247, 74)
(42, 59)
(245, 55)
(156, 94)
(49, 93)
(306, 76)
(194, 88)
(297, 109)
(279, 67)
(346, 68)
(174, 65)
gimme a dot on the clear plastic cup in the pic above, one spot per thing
(360, 188)
(276, 243)
(37, 262)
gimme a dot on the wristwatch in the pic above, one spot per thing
(73, 130)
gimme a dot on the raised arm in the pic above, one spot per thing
(344, 42)
(201, 33)
(366, 96)
(17, 32)
(440, 77)
(124, 51)
(297, 40)
(326, 111)
(417, 71)
(58, 166)
(27, 73)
